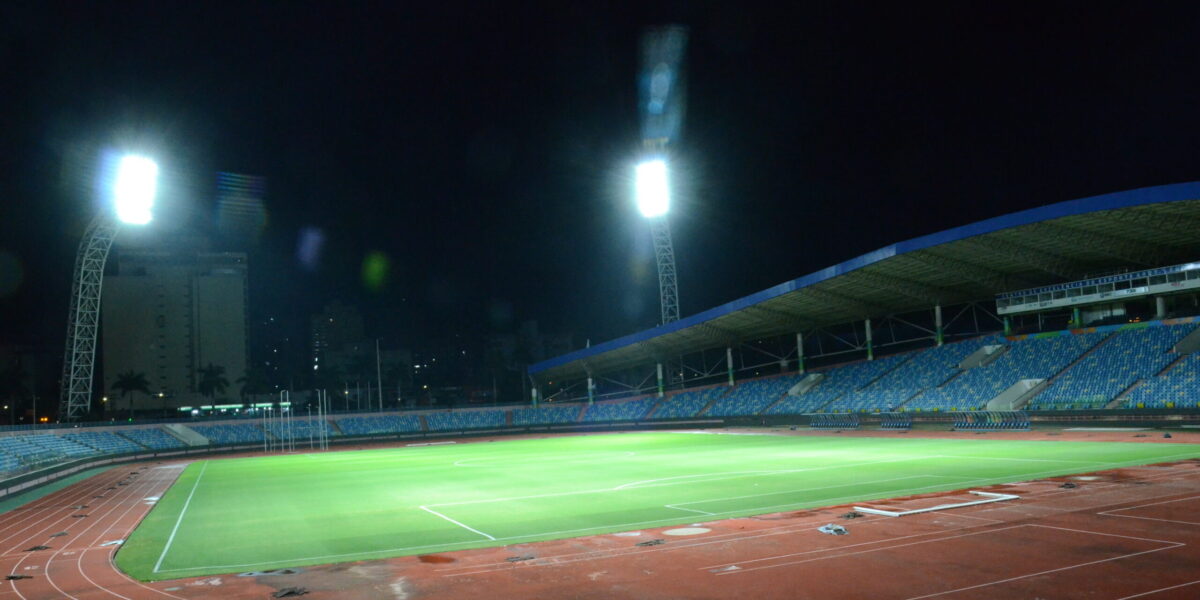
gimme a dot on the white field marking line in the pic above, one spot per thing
(1128, 537)
(634, 525)
(617, 526)
(703, 512)
(500, 462)
(1109, 513)
(827, 487)
(1172, 546)
(716, 539)
(468, 528)
(992, 497)
(175, 529)
(693, 479)
(125, 535)
(1160, 590)
(1052, 460)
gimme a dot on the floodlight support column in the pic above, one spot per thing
(83, 320)
(729, 363)
(870, 342)
(660, 380)
(664, 254)
(937, 319)
(800, 353)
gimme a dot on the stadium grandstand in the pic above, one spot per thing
(1082, 307)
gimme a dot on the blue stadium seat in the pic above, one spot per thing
(152, 437)
(379, 424)
(627, 410)
(460, 420)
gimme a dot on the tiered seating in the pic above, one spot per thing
(896, 421)
(300, 428)
(106, 442)
(25, 450)
(687, 404)
(632, 410)
(61, 445)
(1112, 368)
(838, 382)
(466, 419)
(751, 397)
(1177, 388)
(379, 424)
(154, 438)
(225, 434)
(926, 369)
(545, 415)
(1025, 359)
(9, 464)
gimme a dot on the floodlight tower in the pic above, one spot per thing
(654, 201)
(661, 107)
(134, 186)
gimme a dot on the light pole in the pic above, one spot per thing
(134, 186)
(653, 192)
(661, 106)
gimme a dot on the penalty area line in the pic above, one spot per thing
(468, 528)
(175, 529)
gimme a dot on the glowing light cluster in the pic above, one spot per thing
(134, 189)
(652, 188)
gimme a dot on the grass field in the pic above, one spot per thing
(231, 515)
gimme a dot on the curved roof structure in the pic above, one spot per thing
(1141, 228)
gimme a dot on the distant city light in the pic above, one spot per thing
(134, 189)
(652, 189)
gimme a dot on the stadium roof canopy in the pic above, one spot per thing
(1142, 228)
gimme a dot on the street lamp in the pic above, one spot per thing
(131, 197)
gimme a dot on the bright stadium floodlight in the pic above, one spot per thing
(652, 188)
(134, 189)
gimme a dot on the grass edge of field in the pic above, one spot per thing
(171, 503)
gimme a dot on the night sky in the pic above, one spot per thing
(486, 149)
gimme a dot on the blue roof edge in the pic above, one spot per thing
(1114, 200)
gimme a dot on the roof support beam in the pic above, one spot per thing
(864, 307)
(912, 289)
(1143, 253)
(989, 279)
(1043, 261)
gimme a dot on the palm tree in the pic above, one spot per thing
(129, 382)
(212, 382)
(253, 382)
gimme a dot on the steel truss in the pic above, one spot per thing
(83, 319)
(664, 254)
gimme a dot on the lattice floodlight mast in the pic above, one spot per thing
(661, 106)
(664, 254)
(134, 184)
(84, 318)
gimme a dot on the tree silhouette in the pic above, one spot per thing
(129, 382)
(253, 382)
(212, 382)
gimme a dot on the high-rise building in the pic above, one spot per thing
(168, 314)
(337, 338)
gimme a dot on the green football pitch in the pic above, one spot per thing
(258, 513)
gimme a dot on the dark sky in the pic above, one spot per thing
(486, 148)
